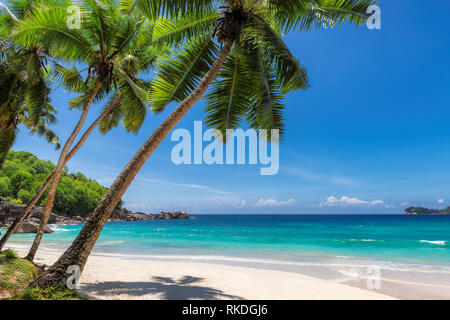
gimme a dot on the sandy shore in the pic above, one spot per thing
(119, 278)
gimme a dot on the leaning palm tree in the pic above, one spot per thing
(24, 85)
(104, 44)
(254, 67)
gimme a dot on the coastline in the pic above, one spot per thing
(344, 250)
(118, 278)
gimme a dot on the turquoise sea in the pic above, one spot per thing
(422, 241)
(411, 253)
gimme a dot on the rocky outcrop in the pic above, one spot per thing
(31, 227)
(10, 211)
(126, 215)
(171, 215)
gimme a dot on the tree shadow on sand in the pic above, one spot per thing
(167, 288)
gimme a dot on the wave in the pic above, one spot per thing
(112, 242)
(57, 228)
(386, 265)
(357, 240)
(437, 242)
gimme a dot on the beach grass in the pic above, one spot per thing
(16, 274)
(52, 293)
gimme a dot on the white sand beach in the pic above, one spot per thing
(123, 279)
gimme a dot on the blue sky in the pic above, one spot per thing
(371, 135)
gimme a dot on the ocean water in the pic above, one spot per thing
(392, 241)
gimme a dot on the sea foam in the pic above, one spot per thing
(438, 242)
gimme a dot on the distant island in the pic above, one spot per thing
(425, 211)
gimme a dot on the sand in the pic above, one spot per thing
(117, 278)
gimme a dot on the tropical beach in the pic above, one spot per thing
(223, 150)
(304, 256)
(114, 278)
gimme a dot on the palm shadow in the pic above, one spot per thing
(186, 288)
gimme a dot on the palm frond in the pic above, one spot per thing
(153, 9)
(133, 101)
(324, 14)
(47, 26)
(43, 131)
(231, 95)
(112, 120)
(70, 78)
(179, 72)
(290, 73)
(267, 111)
(174, 31)
(37, 99)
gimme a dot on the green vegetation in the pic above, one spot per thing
(50, 293)
(421, 210)
(15, 273)
(23, 174)
(10, 254)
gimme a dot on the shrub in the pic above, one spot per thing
(24, 196)
(51, 293)
(10, 254)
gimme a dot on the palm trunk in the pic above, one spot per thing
(19, 220)
(58, 172)
(78, 253)
(8, 136)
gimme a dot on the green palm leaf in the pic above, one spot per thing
(231, 95)
(173, 8)
(290, 73)
(324, 14)
(48, 27)
(179, 72)
(267, 111)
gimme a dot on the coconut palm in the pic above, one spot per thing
(105, 45)
(24, 101)
(254, 67)
(24, 86)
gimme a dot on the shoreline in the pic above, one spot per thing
(394, 283)
(118, 278)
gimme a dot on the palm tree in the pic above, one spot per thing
(24, 86)
(249, 32)
(105, 45)
(23, 101)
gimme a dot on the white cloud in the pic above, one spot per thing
(347, 201)
(441, 201)
(184, 185)
(262, 203)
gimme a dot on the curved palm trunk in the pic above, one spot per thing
(7, 136)
(19, 220)
(57, 174)
(78, 253)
